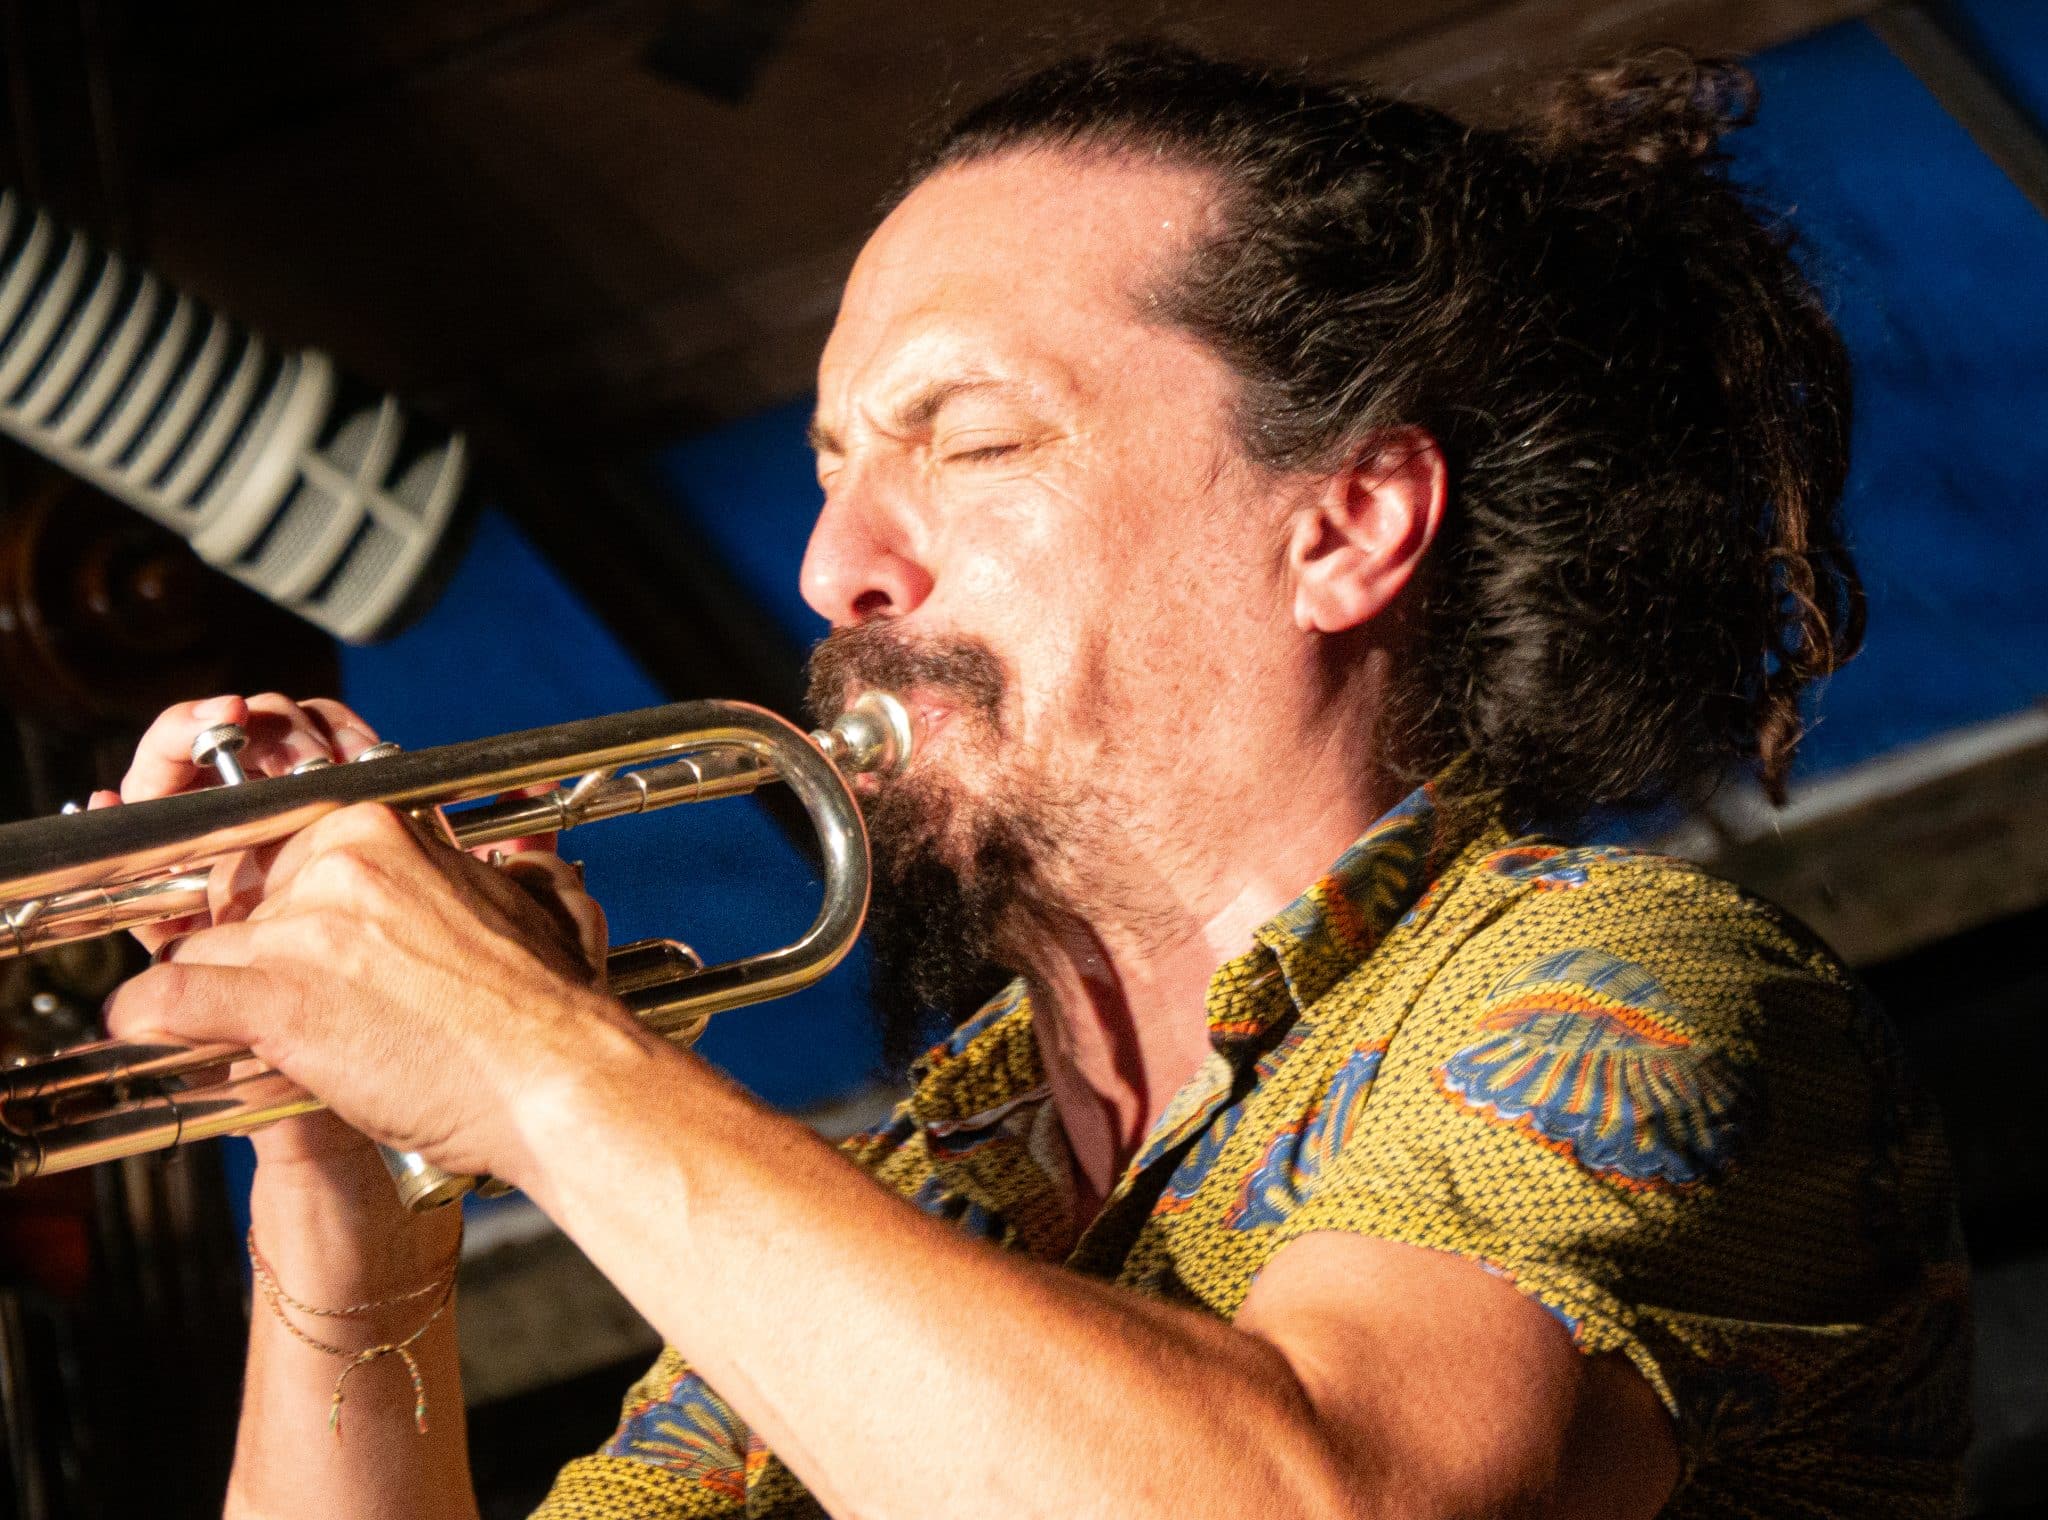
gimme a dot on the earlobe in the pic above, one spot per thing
(1352, 550)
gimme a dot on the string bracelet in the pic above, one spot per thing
(441, 1284)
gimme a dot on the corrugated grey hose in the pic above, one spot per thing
(329, 507)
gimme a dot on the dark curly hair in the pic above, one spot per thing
(1642, 402)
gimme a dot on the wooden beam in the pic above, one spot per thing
(1483, 62)
(1895, 854)
(1936, 43)
(1480, 60)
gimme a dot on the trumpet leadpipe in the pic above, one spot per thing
(89, 912)
(85, 875)
(599, 795)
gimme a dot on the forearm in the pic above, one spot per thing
(900, 1368)
(334, 1248)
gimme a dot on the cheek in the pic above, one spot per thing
(985, 581)
(1002, 541)
(1194, 631)
(1029, 570)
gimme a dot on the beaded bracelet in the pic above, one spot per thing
(443, 1283)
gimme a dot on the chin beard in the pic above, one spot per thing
(951, 879)
(936, 930)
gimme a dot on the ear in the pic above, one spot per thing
(1355, 546)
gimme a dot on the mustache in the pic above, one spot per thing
(849, 660)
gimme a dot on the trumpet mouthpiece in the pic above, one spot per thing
(875, 736)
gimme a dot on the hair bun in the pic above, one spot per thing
(1664, 110)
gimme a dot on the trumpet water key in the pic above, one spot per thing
(84, 875)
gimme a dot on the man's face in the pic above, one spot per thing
(1039, 522)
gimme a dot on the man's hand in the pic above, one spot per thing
(414, 989)
(318, 1149)
(318, 978)
(539, 897)
(282, 734)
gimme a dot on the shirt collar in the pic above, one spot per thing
(991, 1062)
(1325, 934)
(986, 1066)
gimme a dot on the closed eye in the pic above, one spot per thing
(982, 454)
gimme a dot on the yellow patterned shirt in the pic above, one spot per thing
(1654, 1104)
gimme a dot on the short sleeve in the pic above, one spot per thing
(1658, 1108)
(679, 1453)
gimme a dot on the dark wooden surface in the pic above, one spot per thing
(623, 219)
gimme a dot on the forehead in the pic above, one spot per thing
(1035, 259)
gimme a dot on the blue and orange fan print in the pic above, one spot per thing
(1552, 867)
(691, 1431)
(1586, 1053)
(1296, 1157)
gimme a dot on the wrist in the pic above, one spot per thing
(567, 1113)
(339, 1233)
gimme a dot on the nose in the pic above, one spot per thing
(861, 564)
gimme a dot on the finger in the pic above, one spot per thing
(234, 887)
(282, 734)
(537, 871)
(163, 756)
(215, 945)
(197, 1003)
(345, 731)
(514, 887)
(153, 937)
(557, 886)
(536, 900)
(372, 834)
(369, 853)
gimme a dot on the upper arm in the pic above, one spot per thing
(1442, 1386)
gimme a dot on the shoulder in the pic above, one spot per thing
(1638, 1017)
(1559, 881)
(1584, 916)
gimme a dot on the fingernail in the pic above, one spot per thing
(165, 952)
(213, 709)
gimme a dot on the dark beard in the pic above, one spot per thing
(933, 932)
(933, 929)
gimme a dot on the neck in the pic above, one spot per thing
(1120, 997)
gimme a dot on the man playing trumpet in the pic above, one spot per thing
(1281, 507)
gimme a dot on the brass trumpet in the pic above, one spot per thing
(90, 874)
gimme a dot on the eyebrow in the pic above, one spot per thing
(920, 411)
